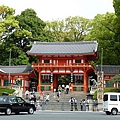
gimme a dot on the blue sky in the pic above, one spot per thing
(61, 9)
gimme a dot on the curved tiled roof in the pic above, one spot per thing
(109, 69)
(16, 69)
(63, 48)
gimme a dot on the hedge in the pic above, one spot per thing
(106, 90)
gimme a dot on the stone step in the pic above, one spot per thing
(63, 104)
(63, 97)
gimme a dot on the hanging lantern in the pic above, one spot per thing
(71, 77)
(51, 77)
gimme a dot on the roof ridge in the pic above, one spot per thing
(80, 42)
(14, 66)
(109, 65)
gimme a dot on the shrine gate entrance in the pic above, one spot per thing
(64, 62)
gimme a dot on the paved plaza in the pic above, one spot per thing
(61, 115)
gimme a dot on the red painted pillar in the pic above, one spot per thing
(24, 80)
(39, 82)
(55, 82)
(85, 82)
(12, 81)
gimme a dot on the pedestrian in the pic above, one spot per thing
(58, 96)
(71, 101)
(41, 96)
(27, 94)
(87, 104)
(95, 105)
(83, 107)
(47, 98)
(81, 104)
(31, 98)
(59, 88)
(75, 104)
(63, 87)
(67, 89)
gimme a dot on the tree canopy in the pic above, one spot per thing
(17, 33)
(103, 30)
(9, 32)
(115, 79)
(29, 20)
(72, 29)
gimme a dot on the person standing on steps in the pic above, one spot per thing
(41, 96)
(75, 104)
(95, 105)
(71, 101)
(87, 104)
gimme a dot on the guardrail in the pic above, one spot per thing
(65, 106)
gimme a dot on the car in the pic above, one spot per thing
(15, 104)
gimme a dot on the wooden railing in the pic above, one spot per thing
(61, 65)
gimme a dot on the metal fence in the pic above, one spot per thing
(65, 106)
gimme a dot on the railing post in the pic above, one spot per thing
(62, 106)
(43, 106)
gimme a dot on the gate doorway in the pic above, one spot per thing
(62, 79)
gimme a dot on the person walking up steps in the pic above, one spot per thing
(67, 89)
(47, 98)
(58, 96)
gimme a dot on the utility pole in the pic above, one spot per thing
(9, 78)
(101, 60)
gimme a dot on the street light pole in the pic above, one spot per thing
(9, 81)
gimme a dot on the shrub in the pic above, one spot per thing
(7, 90)
(106, 90)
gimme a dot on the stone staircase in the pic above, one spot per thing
(63, 104)
(63, 96)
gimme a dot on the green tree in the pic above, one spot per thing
(115, 79)
(116, 5)
(7, 21)
(103, 30)
(77, 28)
(10, 32)
(70, 30)
(29, 20)
(57, 29)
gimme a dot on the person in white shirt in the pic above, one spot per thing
(71, 101)
(47, 98)
(87, 104)
(26, 94)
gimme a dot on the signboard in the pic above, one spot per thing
(100, 81)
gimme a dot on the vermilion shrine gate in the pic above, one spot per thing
(69, 60)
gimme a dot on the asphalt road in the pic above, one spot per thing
(61, 115)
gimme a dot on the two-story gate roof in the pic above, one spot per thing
(63, 48)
